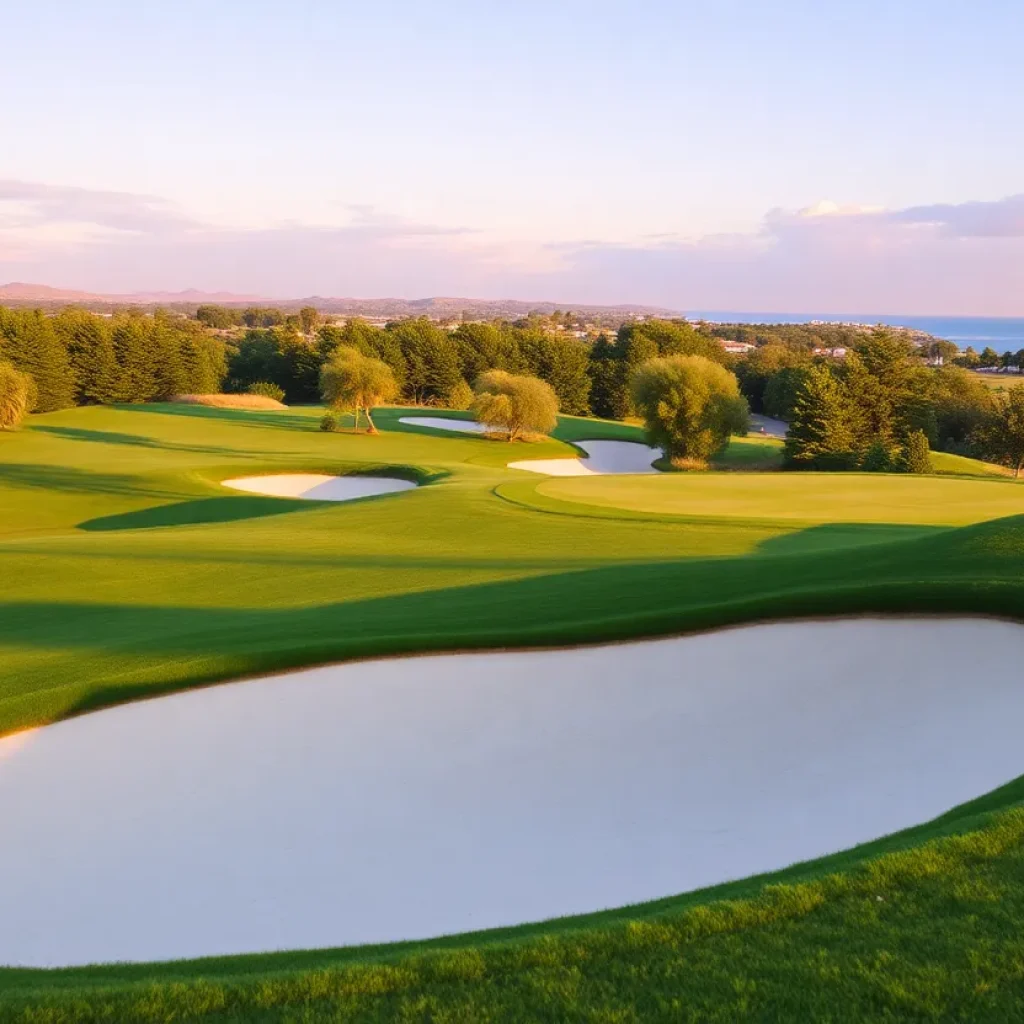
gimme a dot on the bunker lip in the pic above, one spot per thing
(591, 769)
(318, 486)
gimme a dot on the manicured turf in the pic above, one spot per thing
(126, 570)
(811, 499)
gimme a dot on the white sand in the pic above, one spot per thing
(443, 423)
(317, 487)
(406, 798)
(605, 457)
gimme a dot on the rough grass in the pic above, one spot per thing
(126, 570)
(230, 401)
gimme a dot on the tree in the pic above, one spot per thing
(91, 351)
(917, 456)
(357, 382)
(989, 357)
(29, 342)
(514, 404)
(431, 360)
(217, 317)
(781, 391)
(15, 391)
(309, 319)
(824, 432)
(758, 368)
(690, 405)
(1001, 439)
(962, 404)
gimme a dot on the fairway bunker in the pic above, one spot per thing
(318, 487)
(406, 798)
(604, 457)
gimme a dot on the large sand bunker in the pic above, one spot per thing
(411, 797)
(318, 487)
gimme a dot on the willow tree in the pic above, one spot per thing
(15, 395)
(690, 405)
(353, 382)
(513, 404)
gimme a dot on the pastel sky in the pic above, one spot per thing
(775, 155)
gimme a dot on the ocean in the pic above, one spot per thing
(1004, 334)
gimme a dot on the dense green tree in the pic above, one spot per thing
(132, 339)
(514, 404)
(962, 403)
(690, 405)
(989, 357)
(15, 394)
(825, 432)
(1001, 438)
(781, 391)
(217, 317)
(431, 360)
(29, 342)
(758, 368)
(91, 351)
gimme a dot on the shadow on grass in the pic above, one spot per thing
(137, 441)
(194, 513)
(835, 536)
(67, 480)
(240, 417)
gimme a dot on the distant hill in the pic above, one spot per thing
(19, 293)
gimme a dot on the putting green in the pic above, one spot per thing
(806, 498)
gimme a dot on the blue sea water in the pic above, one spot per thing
(1004, 334)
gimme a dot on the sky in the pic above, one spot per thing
(775, 155)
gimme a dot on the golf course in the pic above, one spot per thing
(580, 740)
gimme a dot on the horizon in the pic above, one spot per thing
(651, 156)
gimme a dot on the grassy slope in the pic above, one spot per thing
(125, 569)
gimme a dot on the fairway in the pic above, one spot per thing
(803, 497)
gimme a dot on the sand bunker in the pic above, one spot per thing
(605, 457)
(317, 487)
(411, 797)
(443, 423)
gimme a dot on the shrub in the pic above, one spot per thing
(514, 405)
(357, 382)
(16, 389)
(460, 396)
(878, 458)
(690, 406)
(266, 389)
(917, 456)
(328, 422)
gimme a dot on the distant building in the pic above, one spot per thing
(831, 353)
(737, 348)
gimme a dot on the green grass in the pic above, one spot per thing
(127, 570)
(806, 498)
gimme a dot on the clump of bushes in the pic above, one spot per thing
(328, 422)
(267, 390)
